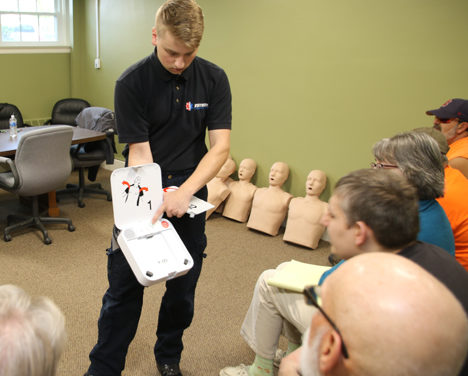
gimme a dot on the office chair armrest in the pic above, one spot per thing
(8, 164)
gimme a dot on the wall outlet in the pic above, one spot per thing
(97, 63)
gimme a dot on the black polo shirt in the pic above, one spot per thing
(170, 111)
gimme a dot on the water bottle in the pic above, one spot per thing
(13, 128)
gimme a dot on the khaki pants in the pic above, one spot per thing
(272, 312)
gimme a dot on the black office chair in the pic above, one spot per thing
(90, 155)
(42, 163)
(66, 110)
(6, 110)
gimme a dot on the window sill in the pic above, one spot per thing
(35, 50)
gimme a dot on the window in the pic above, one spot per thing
(28, 24)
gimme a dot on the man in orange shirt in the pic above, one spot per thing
(452, 120)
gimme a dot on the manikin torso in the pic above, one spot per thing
(239, 202)
(270, 205)
(303, 226)
(218, 189)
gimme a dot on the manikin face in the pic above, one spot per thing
(246, 169)
(173, 54)
(447, 127)
(278, 174)
(315, 183)
(341, 235)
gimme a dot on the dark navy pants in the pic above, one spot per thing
(122, 302)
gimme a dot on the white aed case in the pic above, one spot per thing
(155, 252)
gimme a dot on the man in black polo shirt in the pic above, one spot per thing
(163, 105)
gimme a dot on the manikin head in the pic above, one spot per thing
(226, 169)
(372, 209)
(452, 119)
(394, 318)
(315, 183)
(247, 169)
(278, 174)
(177, 34)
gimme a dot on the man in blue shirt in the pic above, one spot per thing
(374, 210)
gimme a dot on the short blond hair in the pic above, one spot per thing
(183, 19)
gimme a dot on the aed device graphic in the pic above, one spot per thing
(154, 252)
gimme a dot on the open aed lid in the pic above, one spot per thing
(155, 252)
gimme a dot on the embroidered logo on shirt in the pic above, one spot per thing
(189, 106)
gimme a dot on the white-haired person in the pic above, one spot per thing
(32, 334)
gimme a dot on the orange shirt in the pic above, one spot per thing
(455, 204)
(458, 148)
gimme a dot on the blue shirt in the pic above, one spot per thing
(434, 226)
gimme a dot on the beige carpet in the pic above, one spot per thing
(72, 271)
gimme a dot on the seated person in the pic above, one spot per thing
(370, 210)
(238, 204)
(218, 188)
(303, 226)
(32, 333)
(417, 156)
(452, 120)
(270, 205)
(371, 331)
(454, 200)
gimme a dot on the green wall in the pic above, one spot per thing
(314, 83)
(34, 82)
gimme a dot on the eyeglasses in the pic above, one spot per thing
(382, 165)
(445, 121)
(312, 297)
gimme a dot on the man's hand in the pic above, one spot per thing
(290, 364)
(175, 204)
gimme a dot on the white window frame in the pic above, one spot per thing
(64, 31)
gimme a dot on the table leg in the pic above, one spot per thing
(54, 211)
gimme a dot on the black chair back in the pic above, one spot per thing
(6, 110)
(66, 110)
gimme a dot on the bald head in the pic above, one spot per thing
(394, 317)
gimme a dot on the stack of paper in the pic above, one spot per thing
(295, 275)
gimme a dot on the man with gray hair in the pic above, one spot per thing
(452, 120)
(390, 317)
(32, 334)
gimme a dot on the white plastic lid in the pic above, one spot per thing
(136, 194)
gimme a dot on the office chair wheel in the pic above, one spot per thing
(47, 241)
(81, 204)
(7, 237)
(71, 228)
(109, 198)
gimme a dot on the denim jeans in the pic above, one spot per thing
(122, 302)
